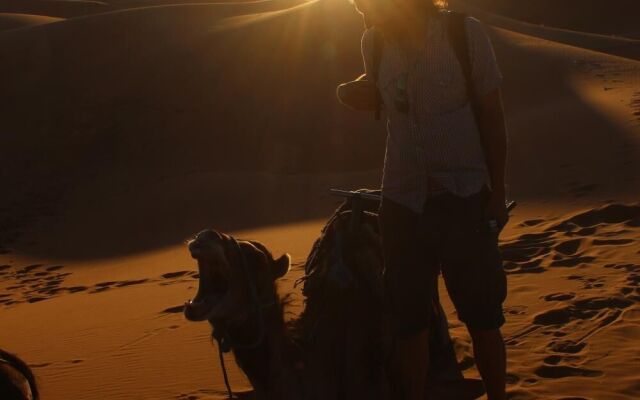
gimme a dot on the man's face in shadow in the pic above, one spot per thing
(390, 15)
(378, 13)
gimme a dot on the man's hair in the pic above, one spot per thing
(433, 6)
(437, 4)
(430, 6)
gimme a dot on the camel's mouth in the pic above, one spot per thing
(212, 289)
(213, 283)
(201, 309)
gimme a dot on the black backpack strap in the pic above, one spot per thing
(375, 69)
(460, 43)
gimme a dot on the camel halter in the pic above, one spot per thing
(225, 344)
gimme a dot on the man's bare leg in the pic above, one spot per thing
(491, 359)
(410, 361)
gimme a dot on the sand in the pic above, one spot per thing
(610, 18)
(125, 132)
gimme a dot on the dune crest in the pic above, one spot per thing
(15, 21)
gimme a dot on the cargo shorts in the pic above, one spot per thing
(452, 237)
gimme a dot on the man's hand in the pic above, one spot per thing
(359, 94)
(497, 209)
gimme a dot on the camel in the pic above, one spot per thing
(17, 382)
(337, 347)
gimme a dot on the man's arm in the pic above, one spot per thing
(494, 141)
(358, 95)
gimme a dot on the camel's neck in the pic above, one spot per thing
(270, 366)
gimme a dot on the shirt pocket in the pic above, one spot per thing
(443, 85)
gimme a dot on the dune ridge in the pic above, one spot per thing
(54, 8)
(15, 21)
(615, 45)
(581, 15)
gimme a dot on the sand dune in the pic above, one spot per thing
(582, 15)
(176, 96)
(127, 131)
(615, 45)
(266, 4)
(13, 21)
(573, 306)
(584, 91)
(54, 8)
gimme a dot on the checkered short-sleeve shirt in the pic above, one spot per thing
(437, 141)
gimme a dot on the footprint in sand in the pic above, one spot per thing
(626, 290)
(515, 310)
(131, 282)
(559, 296)
(36, 299)
(103, 286)
(177, 274)
(581, 309)
(557, 359)
(106, 284)
(171, 277)
(569, 262)
(512, 379)
(628, 215)
(563, 371)
(75, 289)
(526, 253)
(532, 222)
(29, 268)
(529, 267)
(612, 242)
(568, 247)
(173, 310)
(573, 398)
(597, 312)
(633, 280)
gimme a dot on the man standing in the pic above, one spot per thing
(443, 183)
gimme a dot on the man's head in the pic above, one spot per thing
(388, 14)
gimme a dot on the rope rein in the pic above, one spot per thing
(223, 366)
(223, 340)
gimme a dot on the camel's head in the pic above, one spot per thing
(233, 276)
(17, 381)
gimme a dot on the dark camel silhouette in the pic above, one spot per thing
(17, 382)
(337, 348)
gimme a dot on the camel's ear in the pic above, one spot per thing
(281, 266)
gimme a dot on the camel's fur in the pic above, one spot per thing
(334, 349)
(17, 382)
